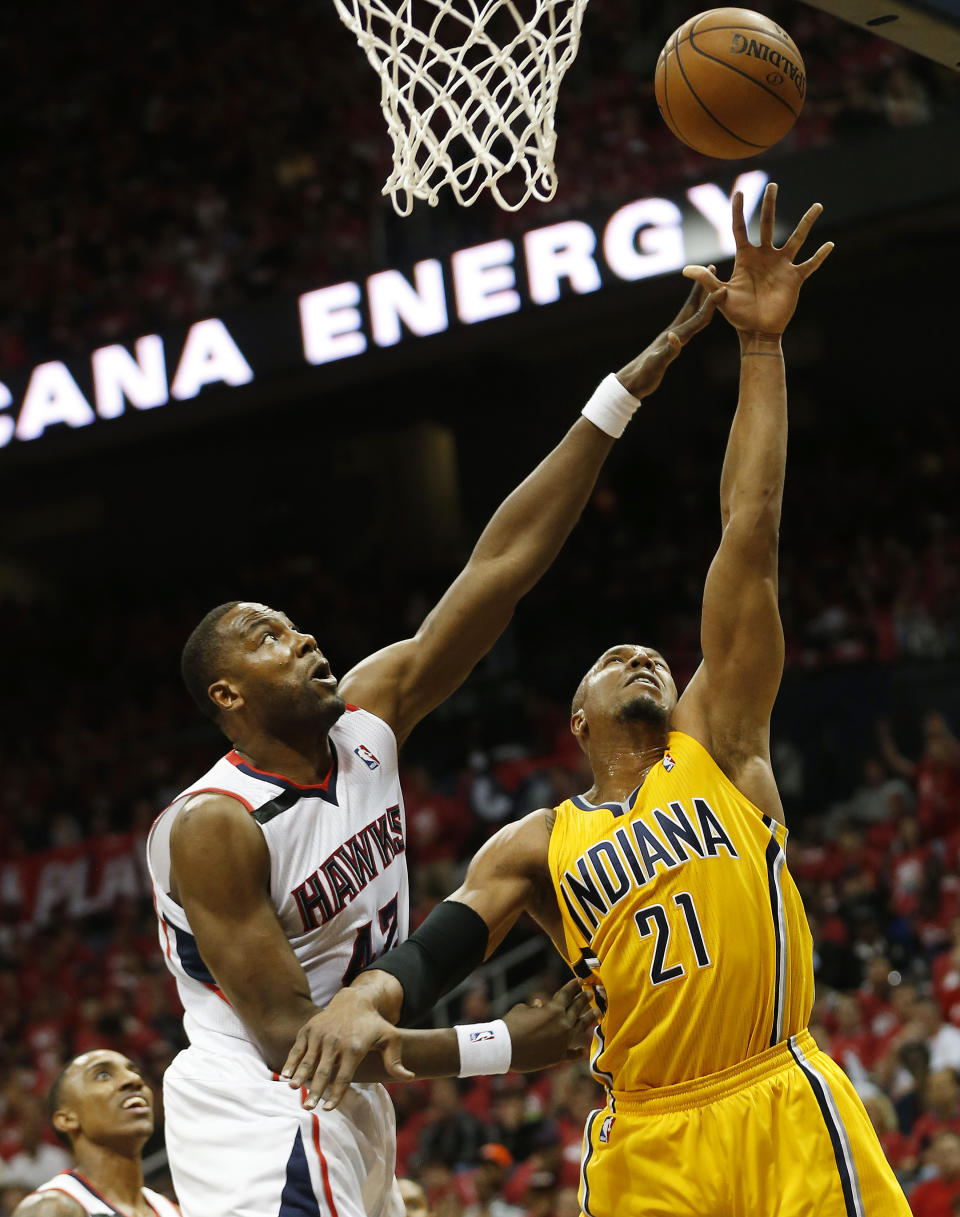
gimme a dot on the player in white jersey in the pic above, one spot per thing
(103, 1108)
(282, 872)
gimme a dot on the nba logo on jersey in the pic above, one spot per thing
(606, 1128)
(668, 761)
(364, 753)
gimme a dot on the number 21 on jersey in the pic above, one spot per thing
(655, 920)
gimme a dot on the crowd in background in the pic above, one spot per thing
(879, 872)
(98, 735)
(158, 171)
(162, 166)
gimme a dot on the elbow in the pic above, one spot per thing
(274, 1034)
(755, 532)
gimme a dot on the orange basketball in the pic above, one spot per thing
(730, 82)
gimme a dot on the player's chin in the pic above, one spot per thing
(140, 1120)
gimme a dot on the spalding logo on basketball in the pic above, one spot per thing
(730, 82)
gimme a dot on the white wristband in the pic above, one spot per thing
(484, 1048)
(611, 407)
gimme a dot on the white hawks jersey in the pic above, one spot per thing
(338, 874)
(74, 1185)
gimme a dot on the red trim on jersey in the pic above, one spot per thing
(219, 992)
(352, 709)
(327, 1190)
(219, 790)
(100, 1196)
(234, 757)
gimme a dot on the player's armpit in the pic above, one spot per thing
(510, 875)
(220, 870)
(48, 1204)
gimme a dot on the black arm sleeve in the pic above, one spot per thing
(436, 957)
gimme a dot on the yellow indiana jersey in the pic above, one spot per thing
(678, 910)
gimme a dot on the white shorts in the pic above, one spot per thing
(241, 1144)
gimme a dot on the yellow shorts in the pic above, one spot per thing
(781, 1135)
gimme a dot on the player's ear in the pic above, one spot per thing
(225, 696)
(66, 1121)
(580, 728)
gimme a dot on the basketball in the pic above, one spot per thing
(730, 83)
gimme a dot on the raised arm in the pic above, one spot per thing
(728, 703)
(403, 682)
(508, 876)
(892, 754)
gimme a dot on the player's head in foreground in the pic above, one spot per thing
(100, 1101)
(253, 672)
(625, 700)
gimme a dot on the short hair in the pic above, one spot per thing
(54, 1100)
(200, 657)
(577, 703)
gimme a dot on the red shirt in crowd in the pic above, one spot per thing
(934, 1198)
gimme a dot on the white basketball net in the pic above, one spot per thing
(469, 92)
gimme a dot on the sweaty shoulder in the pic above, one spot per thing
(215, 827)
(208, 813)
(48, 1204)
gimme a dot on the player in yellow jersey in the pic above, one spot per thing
(665, 886)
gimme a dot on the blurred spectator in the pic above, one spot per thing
(942, 1039)
(941, 1110)
(895, 1145)
(936, 775)
(37, 1159)
(451, 1135)
(936, 1197)
(487, 1182)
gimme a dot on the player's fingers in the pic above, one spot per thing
(580, 1000)
(702, 317)
(739, 223)
(768, 214)
(802, 230)
(691, 304)
(309, 1058)
(704, 276)
(807, 268)
(294, 1057)
(344, 1076)
(393, 1062)
(674, 345)
(567, 994)
(321, 1076)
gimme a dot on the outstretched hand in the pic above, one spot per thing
(644, 374)
(762, 291)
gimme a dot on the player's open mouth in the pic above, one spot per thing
(137, 1100)
(329, 682)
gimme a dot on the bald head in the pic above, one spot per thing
(628, 683)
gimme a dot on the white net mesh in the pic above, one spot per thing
(469, 92)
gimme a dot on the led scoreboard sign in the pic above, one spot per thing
(643, 238)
